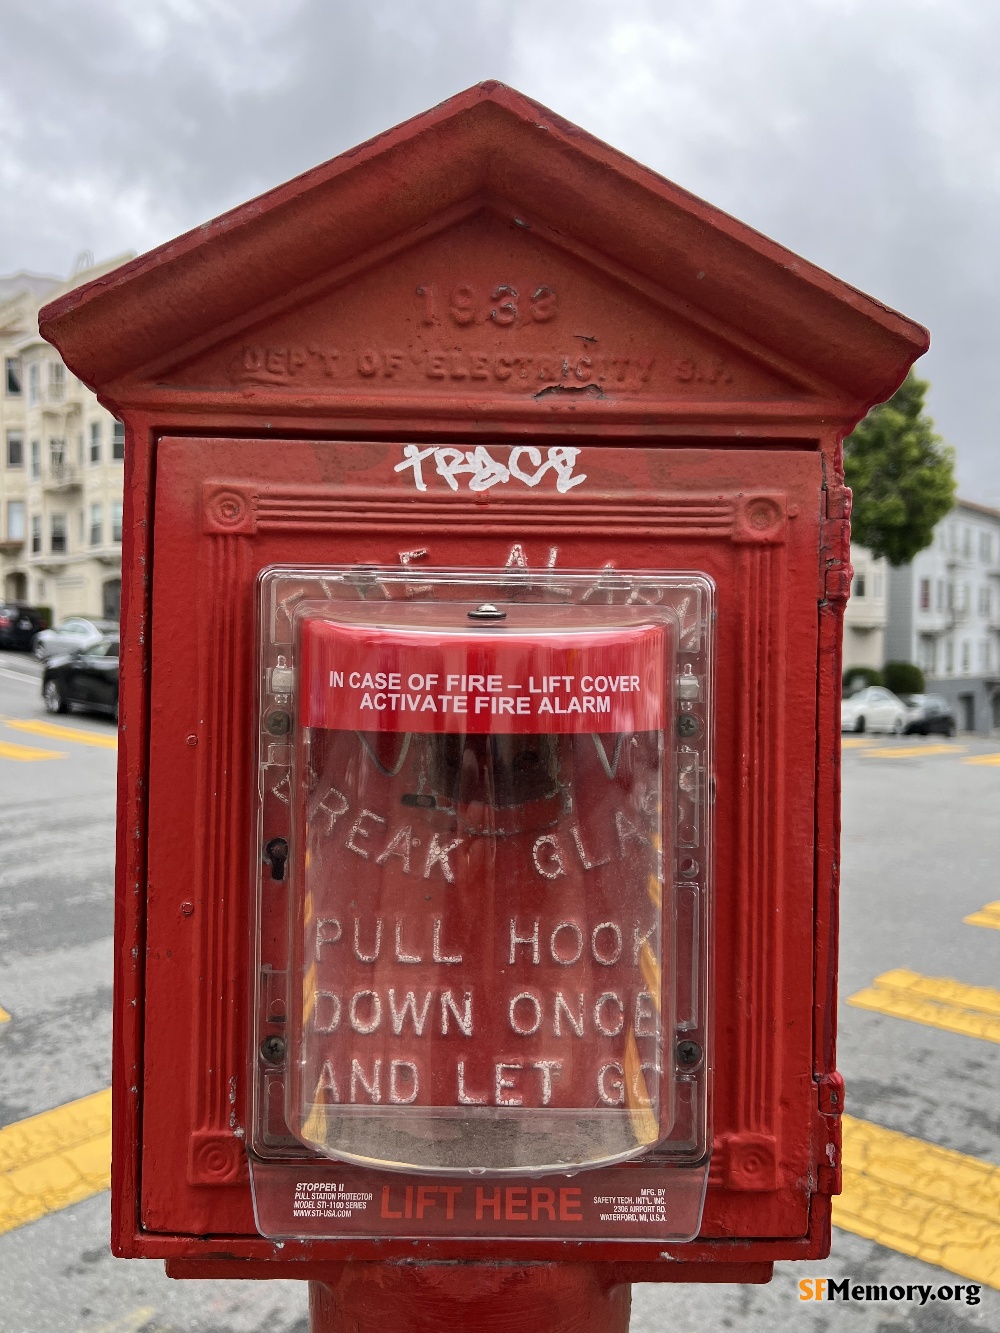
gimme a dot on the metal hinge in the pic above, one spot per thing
(829, 1167)
(830, 1090)
(835, 545)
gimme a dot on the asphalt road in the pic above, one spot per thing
(56, 910)
(921, 850)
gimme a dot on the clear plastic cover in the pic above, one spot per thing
(484, 866)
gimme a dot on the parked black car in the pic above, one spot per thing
(928, 712)
(19, 624)
(83, 680)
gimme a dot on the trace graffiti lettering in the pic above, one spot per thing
(524, 464)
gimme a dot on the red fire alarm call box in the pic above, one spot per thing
(485, 557)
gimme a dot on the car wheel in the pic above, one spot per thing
(53, 698)
(859, 726)
(897, 727)
(950, 729)
(38, 648)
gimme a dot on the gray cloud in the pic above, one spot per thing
(865, 134)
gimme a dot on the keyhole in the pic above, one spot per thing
(276, 852)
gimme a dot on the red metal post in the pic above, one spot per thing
(469, 1298)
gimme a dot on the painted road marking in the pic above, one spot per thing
(26, 754)
(854, 742)
(20, 675)
(130, 1323)
(938, 1002)
(4, 1016)
(982, 759)
(59, 733)
(986, 916)
(54, 1159)
(908, 751)
(928, 1202)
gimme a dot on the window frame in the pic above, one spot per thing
(56, 519)
(96, 525)
(16, 506)
(13, 375)
(14, 437)
(55, 388)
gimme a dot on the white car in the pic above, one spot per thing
(75, 635)
(873, 709)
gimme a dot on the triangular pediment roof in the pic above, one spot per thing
(488, 168)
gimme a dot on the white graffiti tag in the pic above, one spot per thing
(484, 471)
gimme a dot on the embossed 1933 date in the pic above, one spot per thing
(502, 304)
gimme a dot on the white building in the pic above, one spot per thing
(867, 612)
(61, 466)
(944, 614)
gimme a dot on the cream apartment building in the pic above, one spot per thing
(944, 614)
(61, 465)
(867, 612)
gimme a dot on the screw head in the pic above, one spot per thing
(187, 908)
(689, 1053)
(273, 1049)
(278, 723)
(688, 724)
(487, 612)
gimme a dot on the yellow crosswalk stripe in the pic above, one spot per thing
(60, 733)
(937, 1002)
(4, 1016)
(854, 742)
(908, 751)
(27, 754)
(986, 916)
(655, 891)
(982, 759)
(54, 1159)
(918, 1199)
(651, 973)
(129, 1323)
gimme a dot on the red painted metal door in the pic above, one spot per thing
(226, 508)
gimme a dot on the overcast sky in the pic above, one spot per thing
(865, 134)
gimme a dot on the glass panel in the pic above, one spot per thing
(477, 850)
(15, 520)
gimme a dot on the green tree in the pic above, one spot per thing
(901, 473)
